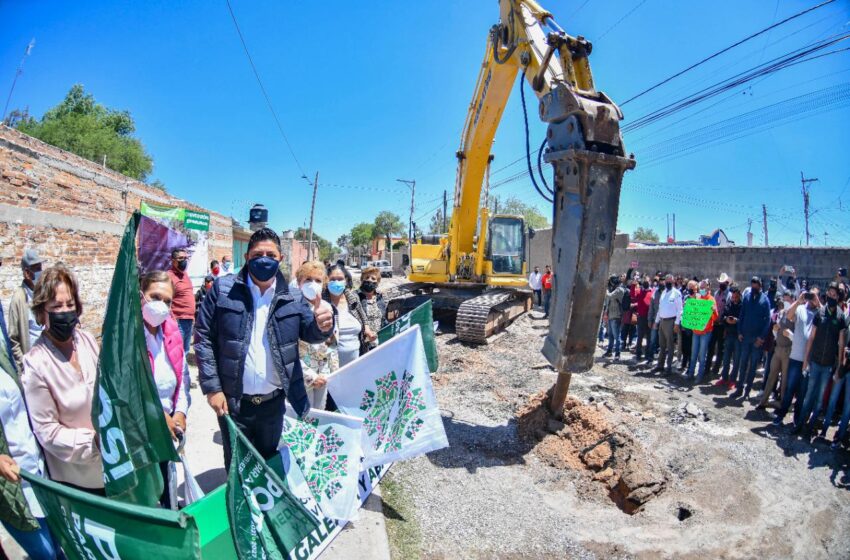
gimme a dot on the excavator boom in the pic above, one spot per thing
(585, 148)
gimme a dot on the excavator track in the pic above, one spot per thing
(482, 316)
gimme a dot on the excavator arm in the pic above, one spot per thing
(585, 148)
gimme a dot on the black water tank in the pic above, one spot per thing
(258, 215)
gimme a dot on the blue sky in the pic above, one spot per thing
(371, 92)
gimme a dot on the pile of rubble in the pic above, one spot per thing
(582, 439)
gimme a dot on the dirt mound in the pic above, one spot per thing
(583, 438)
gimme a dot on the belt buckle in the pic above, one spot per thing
(256, 400)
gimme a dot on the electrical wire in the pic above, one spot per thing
(619, 21)
(748, 123)
(527, 140)
(724, 50)
(540, 165)
(785, 61)
(263, 88)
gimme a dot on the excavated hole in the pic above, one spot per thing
(683, 513)
(582, 438)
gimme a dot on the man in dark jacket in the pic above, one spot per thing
(246, 343)
(753, 326)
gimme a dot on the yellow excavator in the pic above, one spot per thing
(478, 270)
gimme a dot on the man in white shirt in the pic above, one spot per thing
(246, 343)
(802, 312)
(667, 322)
(535, 282)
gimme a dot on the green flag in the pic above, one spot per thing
(93, 528)
(134, 437)
(423, 317)
(266, 519)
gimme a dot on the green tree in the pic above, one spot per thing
(645, 234)
(344, 242)
(81, 125)
(512, 205)
(387, 224)
(361, 236)
(436, 225)
(157, 184)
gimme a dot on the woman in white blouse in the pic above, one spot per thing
(165, 350)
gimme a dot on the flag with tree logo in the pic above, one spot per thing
(126, 410)
(390, 390)
(327, 447)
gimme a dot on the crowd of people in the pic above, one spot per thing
(792, 332)
(261, 343)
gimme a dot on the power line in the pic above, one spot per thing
(263, 88)
(577, 10)
(722, 51)
(619, 21)
(785, 61)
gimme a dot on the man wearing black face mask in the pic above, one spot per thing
(183, 304)
(753, 328)
(667, 322)
(718, 334)
(247, 345)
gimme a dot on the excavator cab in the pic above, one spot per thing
(506, 245)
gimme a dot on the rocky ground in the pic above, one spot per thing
(640, 466)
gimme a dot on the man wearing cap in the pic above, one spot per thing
(23, 328)
(753, 328)
(715, 347)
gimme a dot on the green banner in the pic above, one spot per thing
(93, 528)
(266, 519)
(134, 437)
(423, 317)
(697, 313)
(190, 219)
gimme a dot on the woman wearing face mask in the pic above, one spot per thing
(700, 339)
(372, 302)
(168, 362)
(353, 332)
(59, 378)
(320, 359)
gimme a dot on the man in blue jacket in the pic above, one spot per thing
(753, 326)
(246, 343)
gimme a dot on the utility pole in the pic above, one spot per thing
(445, 208)
(805, 182)
(312, 210)
(411, 183)
(674, 226)
(668, 228)
(18, 72)
(764, 221)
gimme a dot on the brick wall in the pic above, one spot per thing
(72, 210)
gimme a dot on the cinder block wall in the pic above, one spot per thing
(818, 264)
(72, 210)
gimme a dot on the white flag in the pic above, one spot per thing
(390, 389)
(328, 448)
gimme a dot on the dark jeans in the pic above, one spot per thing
(539, 295)
(547, 297)
(795, 390)
(687, 337)
(813, 404)
(715, 348)
(39, 544)
(730, 357)
(627, 333)
(261, 423)
(185, 326)
(747, 363)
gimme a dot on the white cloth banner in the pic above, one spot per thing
(390, 390)
(328, 448)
